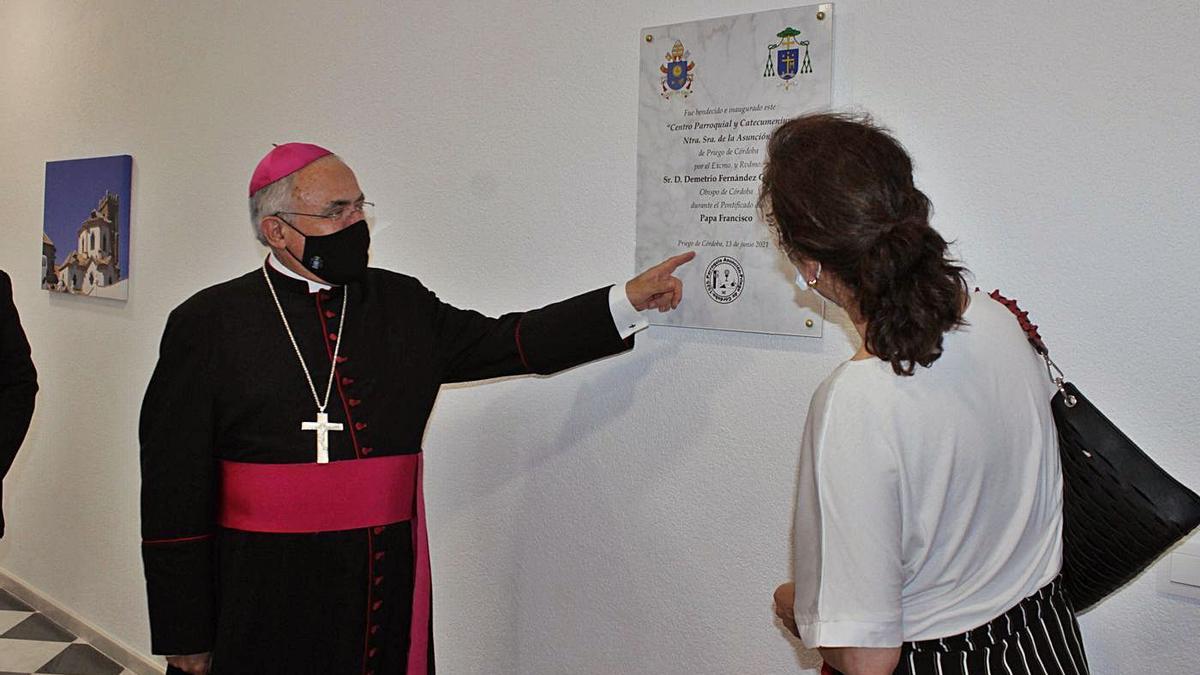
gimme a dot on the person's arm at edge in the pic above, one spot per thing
(847, 660)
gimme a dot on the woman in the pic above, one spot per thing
(929, 513)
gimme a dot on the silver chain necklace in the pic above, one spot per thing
(322, 426)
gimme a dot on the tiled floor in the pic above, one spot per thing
(31, 643)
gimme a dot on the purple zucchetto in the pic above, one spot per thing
(282, 161)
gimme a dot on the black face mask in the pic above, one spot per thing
(338, 258)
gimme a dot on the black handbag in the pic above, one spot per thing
(1121, 511)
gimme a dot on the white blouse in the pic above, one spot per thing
(928, 505)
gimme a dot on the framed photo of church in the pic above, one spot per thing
(85, 227)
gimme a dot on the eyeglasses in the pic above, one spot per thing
(336, 213)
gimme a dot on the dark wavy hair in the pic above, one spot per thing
(838, 190)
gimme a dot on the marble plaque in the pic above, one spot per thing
(710, 94)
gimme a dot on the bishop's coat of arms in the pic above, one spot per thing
(784, 60)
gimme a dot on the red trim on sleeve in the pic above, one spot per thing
(520, 349)
(176, 541)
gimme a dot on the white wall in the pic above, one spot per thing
(631, 516)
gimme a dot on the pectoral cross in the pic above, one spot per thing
(322, 426)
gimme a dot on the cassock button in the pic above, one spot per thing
(373, 652)
(359, 426)
(379, 580)
(375, 607)
(343, 359)
(333, 337)
(354, 402)
(380, 555)
(367, 451)
(379, 530)
(347, 381)
(374, 630)
(330, 314)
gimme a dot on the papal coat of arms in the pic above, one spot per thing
(784, 60)
(677, 72)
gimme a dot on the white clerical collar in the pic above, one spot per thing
(313, 286)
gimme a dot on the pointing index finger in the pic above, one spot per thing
(673, 263)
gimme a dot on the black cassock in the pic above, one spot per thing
(228, 391)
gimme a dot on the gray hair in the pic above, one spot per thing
(268, 201)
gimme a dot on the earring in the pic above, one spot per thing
(804, 283)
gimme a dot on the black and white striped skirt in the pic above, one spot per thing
(1039, 636)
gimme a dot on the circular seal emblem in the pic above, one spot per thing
(724, 279)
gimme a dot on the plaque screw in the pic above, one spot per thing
(820, 16)
(808, 323)
(649, 37)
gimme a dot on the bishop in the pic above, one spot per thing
(261, 557)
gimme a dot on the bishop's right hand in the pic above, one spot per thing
(658, 287)
(194, 664)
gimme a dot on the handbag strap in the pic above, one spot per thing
(1035, 339)
(1030, 328)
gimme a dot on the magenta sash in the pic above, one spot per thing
(296, 498)
(422, 603)
(345, 495)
